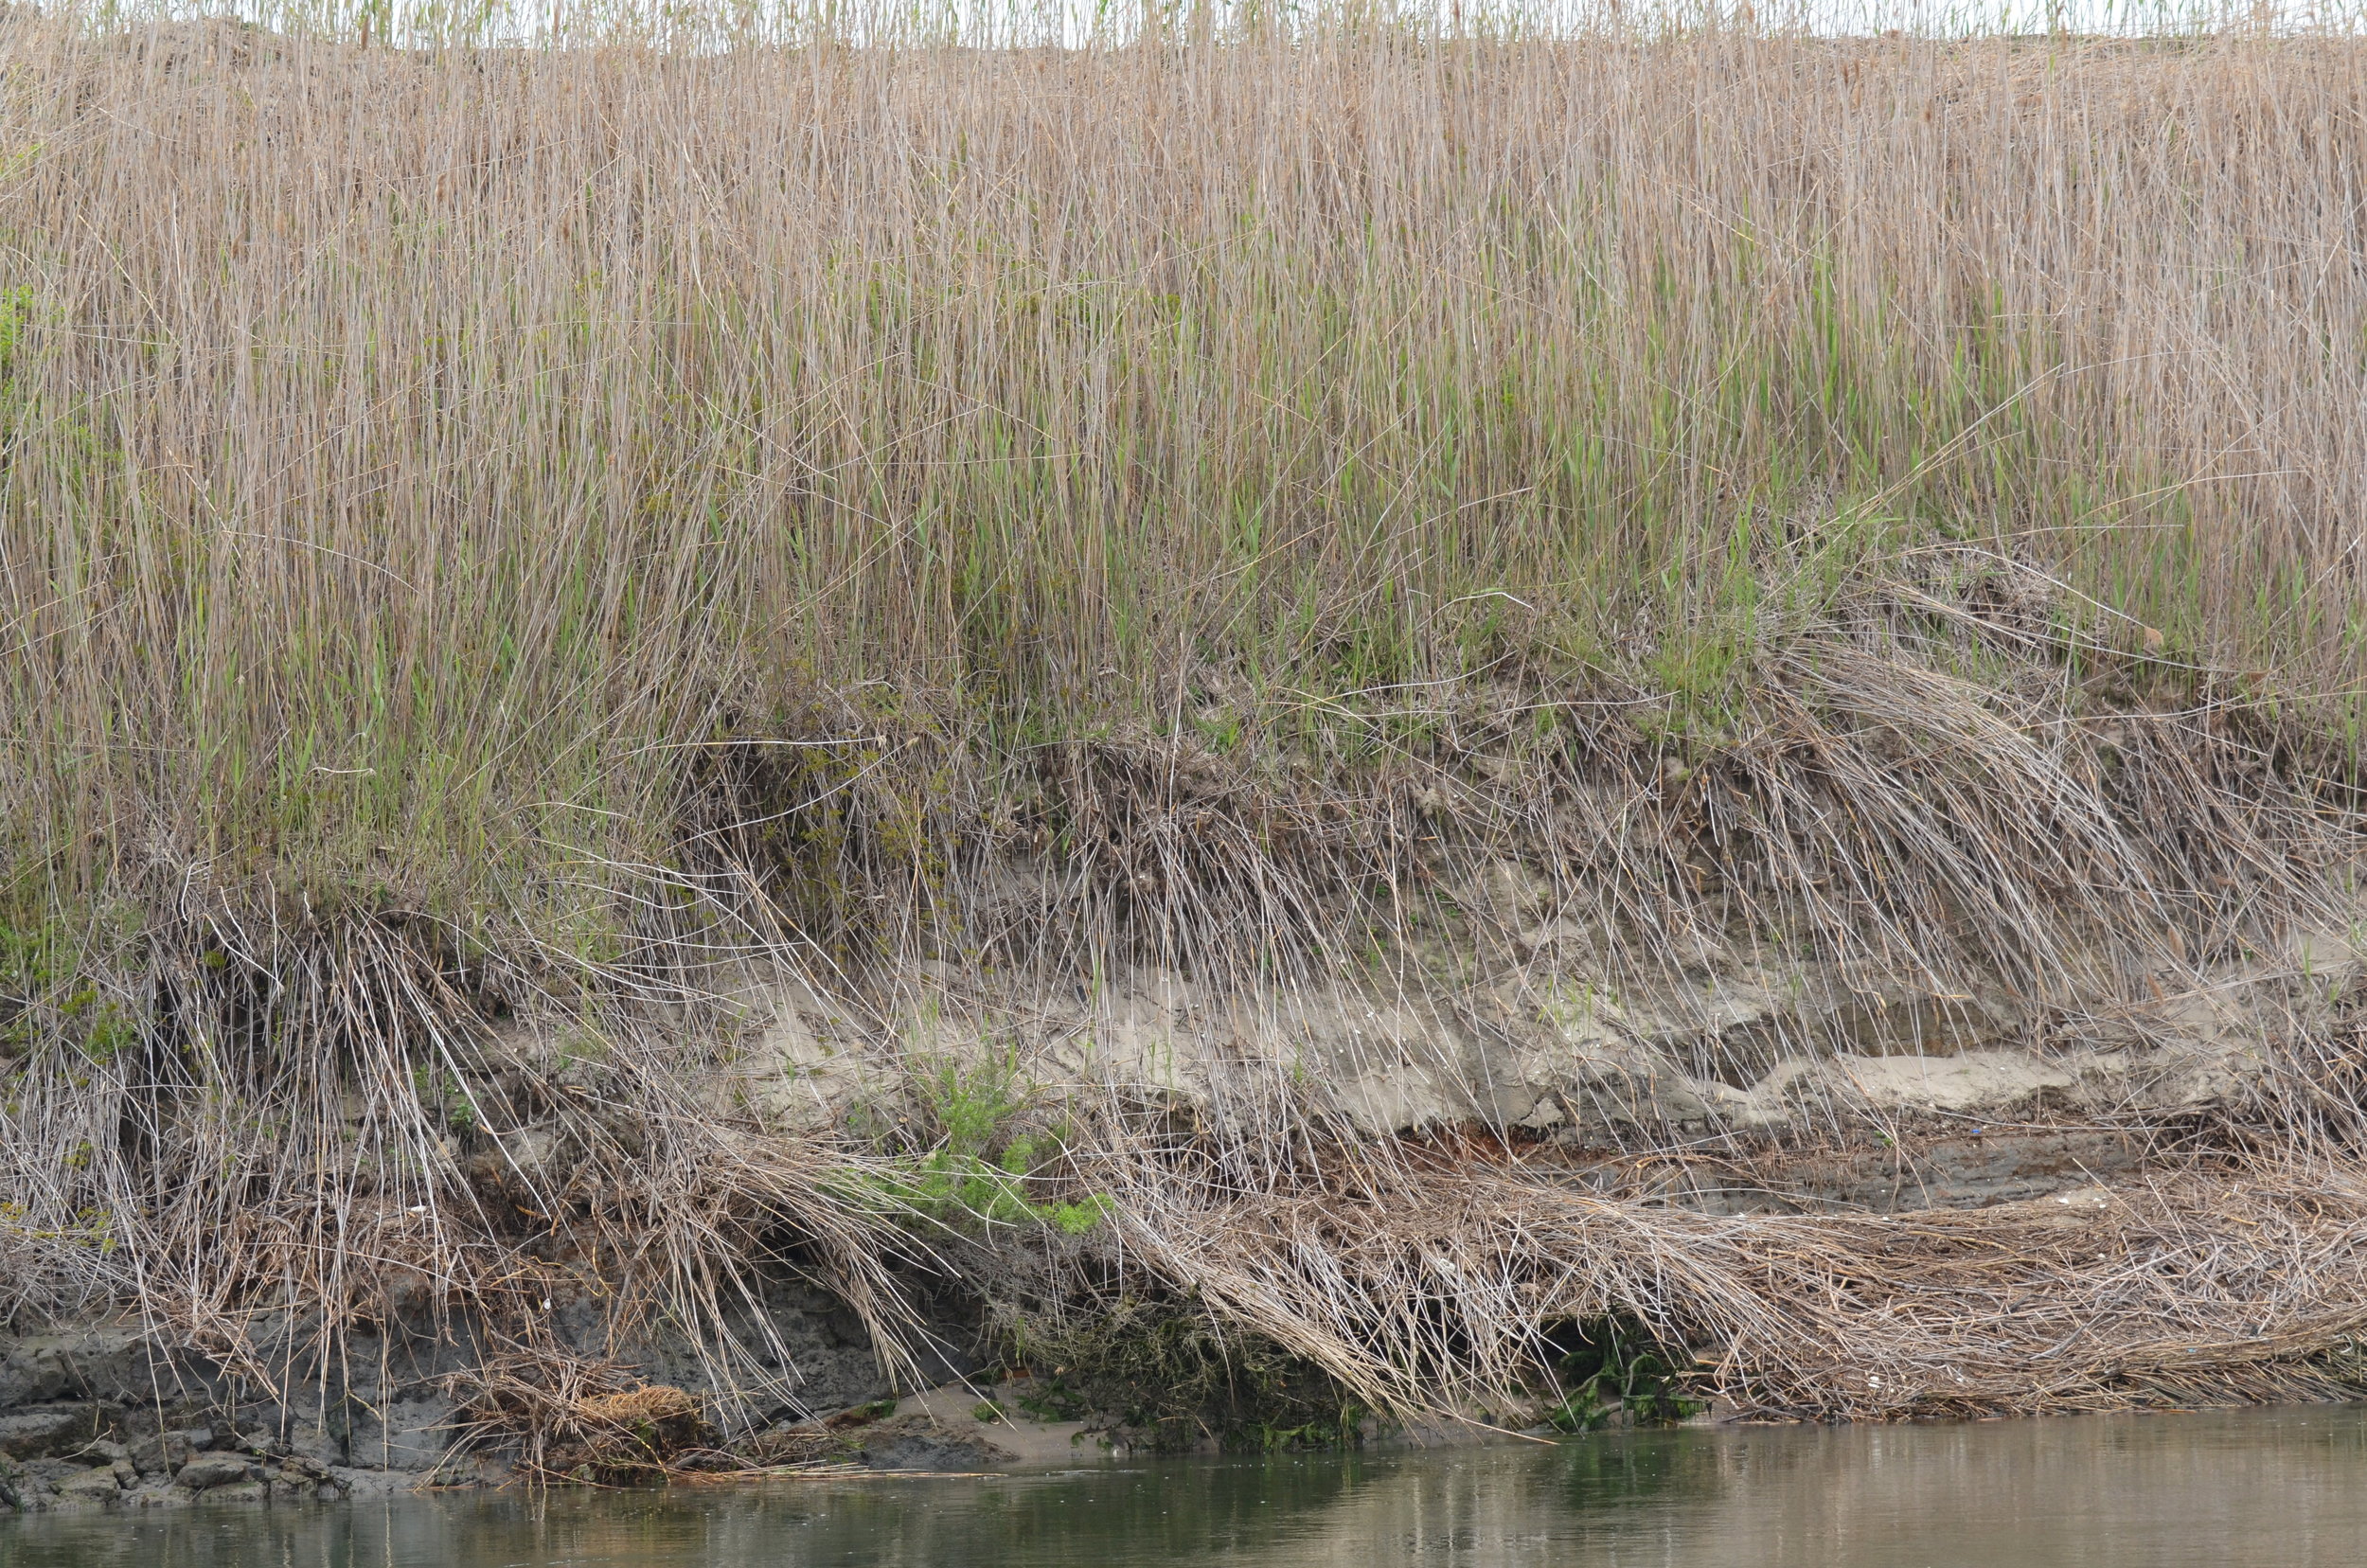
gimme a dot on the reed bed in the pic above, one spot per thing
(505, 537)
(415, 458)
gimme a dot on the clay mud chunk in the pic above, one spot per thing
(214, 1470)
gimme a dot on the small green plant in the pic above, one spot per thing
(442, 1094)
(1342, 1428)
(1221, 729)
(1053, 1402)
(1579, 1411)
(111, 1030)
(16, 304)
(1619, 1369)
(978, 1172)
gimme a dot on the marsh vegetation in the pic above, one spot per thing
(511, 550)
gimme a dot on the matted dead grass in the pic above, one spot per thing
(2197, 1287)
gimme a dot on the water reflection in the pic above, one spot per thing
(2264, 1488)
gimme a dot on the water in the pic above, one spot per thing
(2275, 1488)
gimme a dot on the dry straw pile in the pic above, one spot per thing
(495, 532)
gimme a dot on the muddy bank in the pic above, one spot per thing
(107, 1414)
(102, 1415)
(1720, 1094)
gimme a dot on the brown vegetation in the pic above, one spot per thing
(503, 542)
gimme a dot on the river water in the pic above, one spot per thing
(2264, 1488)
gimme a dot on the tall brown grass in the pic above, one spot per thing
(461, 509)
(408, 456)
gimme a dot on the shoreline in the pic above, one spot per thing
(100, 1415)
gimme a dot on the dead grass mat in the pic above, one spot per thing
(2200, 1286)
